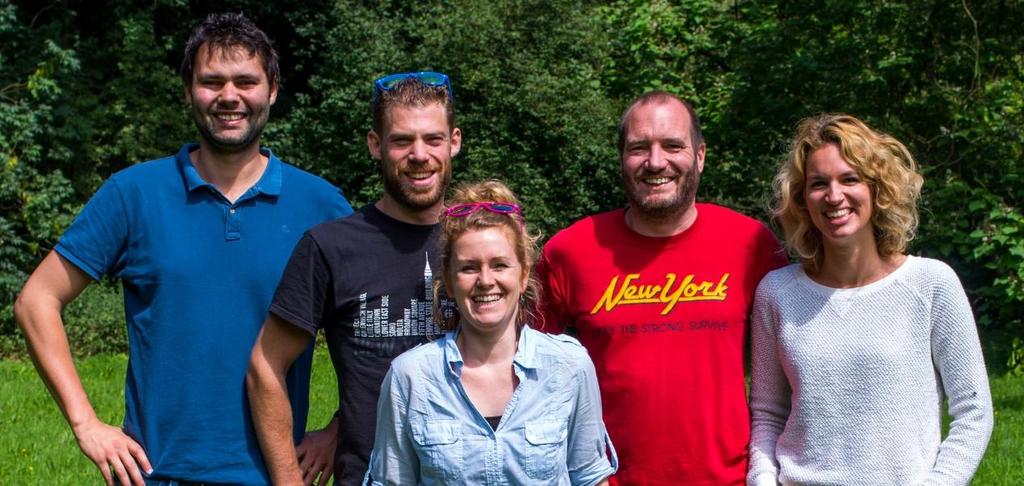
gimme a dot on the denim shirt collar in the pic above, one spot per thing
(524, 359)
(268, 184)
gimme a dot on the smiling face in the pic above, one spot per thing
(660, 165)
(415, 152)
(230, 98)
(838, 200)
(486, 278)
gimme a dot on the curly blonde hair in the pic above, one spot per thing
(880, 160)
(525, 245)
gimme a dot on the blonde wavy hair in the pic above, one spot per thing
(525, 245)
(880, 160)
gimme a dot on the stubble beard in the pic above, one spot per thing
(252, 134)
(663, 209)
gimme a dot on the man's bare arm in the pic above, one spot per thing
(277, 347)
(53, 284)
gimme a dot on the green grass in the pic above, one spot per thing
(1004, 459)
(36, 446)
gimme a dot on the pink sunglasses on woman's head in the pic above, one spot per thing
(460, 210)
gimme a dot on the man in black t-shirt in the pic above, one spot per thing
(366, 279)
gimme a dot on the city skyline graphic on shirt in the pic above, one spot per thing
(416, 320)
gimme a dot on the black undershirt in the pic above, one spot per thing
(493, 421)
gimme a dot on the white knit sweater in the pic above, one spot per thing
(848, 384)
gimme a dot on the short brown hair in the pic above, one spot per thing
(410, 92)
(659, 97)
(226, 31)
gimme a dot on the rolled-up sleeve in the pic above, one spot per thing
(394, 459)
(591, 455)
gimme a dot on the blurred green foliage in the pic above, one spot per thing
(87, 88)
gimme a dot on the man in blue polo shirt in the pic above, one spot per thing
(199, 240)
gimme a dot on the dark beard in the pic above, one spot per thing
(667, 209)
(412, 199)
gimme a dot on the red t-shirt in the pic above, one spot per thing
(665, 321)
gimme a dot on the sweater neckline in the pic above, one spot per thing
(871, 287)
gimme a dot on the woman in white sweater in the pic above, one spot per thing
(856, 346)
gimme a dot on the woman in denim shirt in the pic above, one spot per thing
(493, 401)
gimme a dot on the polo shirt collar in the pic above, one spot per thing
(268, 184)
(525, 357)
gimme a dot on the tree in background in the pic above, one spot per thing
(36, 199)
(87, 88)
(946, 76)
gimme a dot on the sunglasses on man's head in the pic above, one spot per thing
(429, 78)
(460, 210)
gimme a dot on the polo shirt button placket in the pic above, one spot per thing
(232, 225)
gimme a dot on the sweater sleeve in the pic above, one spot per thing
(769, 390)
(956, 353)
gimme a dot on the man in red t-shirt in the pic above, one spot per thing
(660, 292)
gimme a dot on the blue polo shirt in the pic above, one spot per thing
(198, 273)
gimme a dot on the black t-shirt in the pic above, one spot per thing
(366, 281)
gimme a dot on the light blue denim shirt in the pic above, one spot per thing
(428, 432)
